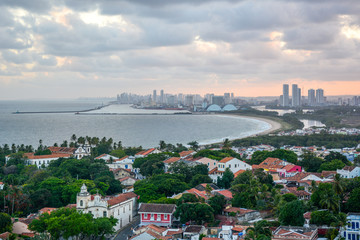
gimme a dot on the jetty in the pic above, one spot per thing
(72, 111)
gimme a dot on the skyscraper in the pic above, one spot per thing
(285, 98)
(154, 95)
(162, 96)
(320, 96)
(295, 96)
(311, 97)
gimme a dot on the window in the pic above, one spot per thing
(129, 207)
(145, 215)
(152, 216)
(90, 212)
(81, 203)
(124, 210)
(104, 214)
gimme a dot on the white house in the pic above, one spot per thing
(349, 172)
(352, 230)
(44, 160)
(232, 163)
(125, 163)
(107, 158)
(122, 207)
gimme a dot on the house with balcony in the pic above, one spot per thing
(352, 230)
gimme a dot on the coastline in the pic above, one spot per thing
(275, 126)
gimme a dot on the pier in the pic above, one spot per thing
(76, 112)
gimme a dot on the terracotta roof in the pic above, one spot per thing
(102, 155)
(47, 210)
(240, 211)
(120, 159)
(225, 160)
(171, 232)
(5, 235)
(193, 228)
(156, 229)
(172, 160)
(299, 176)
(55, 155)
(146, 152)
(212, 171)
(185, 153)
(121, 198)
(198, 193)
(298, 193)
(226, 193)
(209, 238)
(238, 229)
(126, 178)
(349, 168)
(62, 150)
(70, 206)
(157, 208)
(238, 173)
(326, 174)
(289, 167)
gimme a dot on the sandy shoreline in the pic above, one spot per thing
(274, 125)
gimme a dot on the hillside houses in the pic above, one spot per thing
(283, 168)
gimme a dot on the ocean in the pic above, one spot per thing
(132, 130)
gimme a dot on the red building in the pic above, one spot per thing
(158, 214)
(283, 168)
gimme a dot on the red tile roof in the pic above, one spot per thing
(212, 171)
(47, 210)
(225, 160)
(226, 193)
(238, 173)
(185, 153)
(62, 150)
(121, 198)
(240, 211)
(55, 155)
(198, 193)
(146, 152)
(172, 160)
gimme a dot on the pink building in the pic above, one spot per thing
(158, 214)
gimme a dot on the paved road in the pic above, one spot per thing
(126, 231)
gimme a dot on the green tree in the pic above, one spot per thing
(310, 162)
(226, 179)
(261, 230)
(292, 214)
(353, 203)
(288, 197)
(226, 144)
(197, 212)
(199, 179)
(194, 145)
(331, 166)
(323, 218)
(217, 203)
(5, 223)
(69, 223)
(162, 145)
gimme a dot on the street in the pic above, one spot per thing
(126, 231)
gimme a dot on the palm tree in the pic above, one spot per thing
(162, 145)
(338, 187)
(73, 138)
(261, 230)
(329, 201)
(226, 143)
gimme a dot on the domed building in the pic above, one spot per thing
(229, 107)
(214, 108)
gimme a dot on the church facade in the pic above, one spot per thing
(122, 206)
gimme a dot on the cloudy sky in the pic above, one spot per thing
(73, 48)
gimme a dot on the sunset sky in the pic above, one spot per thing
(93, 48)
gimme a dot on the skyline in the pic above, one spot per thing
(67, 49)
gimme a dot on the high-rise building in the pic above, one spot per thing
(311, 97)
(295, 100)
(299, 97)
(320, 96)
(227, 98)
(219, 100)
(162, 99)
(285, 98)
(154, 95)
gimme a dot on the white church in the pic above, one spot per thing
(122, 206)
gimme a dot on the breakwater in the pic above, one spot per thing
(73, 111)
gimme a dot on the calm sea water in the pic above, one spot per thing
(132, 130)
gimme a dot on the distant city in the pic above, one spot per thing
(228, 101)
(314, 98)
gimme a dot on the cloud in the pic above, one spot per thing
(138, 45)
